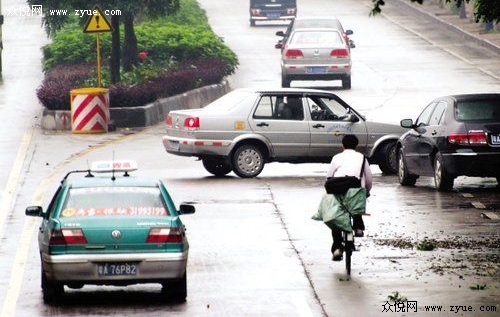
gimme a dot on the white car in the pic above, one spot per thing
(246, 128)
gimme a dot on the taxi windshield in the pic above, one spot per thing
(114, 201)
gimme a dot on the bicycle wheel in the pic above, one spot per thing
(348, 253)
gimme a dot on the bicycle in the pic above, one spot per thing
(348, 247)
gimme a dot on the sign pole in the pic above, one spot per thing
(98, 60)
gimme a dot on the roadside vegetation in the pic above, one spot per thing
(176, 53)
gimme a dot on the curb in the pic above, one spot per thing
(142, 116)
(467, 35)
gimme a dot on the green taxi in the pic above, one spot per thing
(112, 229)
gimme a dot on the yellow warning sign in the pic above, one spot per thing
(97, 22)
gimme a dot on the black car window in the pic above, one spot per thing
(424, 117)
(437, 114)
(478, 110)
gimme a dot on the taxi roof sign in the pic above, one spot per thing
(113, 166)
(97, 22)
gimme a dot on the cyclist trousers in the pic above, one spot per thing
(357, 223)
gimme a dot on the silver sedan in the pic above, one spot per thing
(316, 54)
(246, 128)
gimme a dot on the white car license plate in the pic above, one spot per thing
(495, 139)
(173, 145)
(316, 70)
(114, 269)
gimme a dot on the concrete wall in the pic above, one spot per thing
(142, 116)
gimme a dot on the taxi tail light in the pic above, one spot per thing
(164, 235)
(339, 53)
(192, 123)
(470, 138)
(294, 54)
(168, 120)
(67, 236)
(290, 11)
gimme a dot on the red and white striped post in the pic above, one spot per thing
(89, 110)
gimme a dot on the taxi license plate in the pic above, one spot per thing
(273, 15)
(116, 269)
(316, 70)
(495, 139)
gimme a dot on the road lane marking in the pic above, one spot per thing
(478, 205)
(11, 185)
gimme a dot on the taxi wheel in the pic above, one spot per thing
(217, 167)
(176, 289)
(248, 161)
(442, 180)
(52, 292)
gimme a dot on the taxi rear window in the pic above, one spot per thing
(114, 201)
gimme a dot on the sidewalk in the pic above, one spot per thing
(446, 16)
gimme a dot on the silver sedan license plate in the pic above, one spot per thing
(116, 269)
(495, 139)
(316, 70)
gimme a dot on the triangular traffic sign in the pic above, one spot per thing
(97, 22)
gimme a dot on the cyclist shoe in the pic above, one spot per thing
(337, 255)
(359, 233)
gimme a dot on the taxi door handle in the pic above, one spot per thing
(262, 124)
(319, 125)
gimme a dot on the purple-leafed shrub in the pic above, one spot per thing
(54, 93)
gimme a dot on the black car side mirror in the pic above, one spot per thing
(407, 123)
(280, 33)
(349, 32)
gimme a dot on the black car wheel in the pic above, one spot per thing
(248, 161)
(405, 178)
(388, 160)
(52, 291)
(176, 289)
(217, 167)
(442, 179)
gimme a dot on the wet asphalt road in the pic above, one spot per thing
(254, 249)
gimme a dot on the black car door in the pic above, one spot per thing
(414, 147)
(428, 139)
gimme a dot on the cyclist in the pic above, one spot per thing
(348, 163)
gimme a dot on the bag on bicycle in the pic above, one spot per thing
(340, 185)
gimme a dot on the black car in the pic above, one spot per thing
(268, 10)
(456, 135)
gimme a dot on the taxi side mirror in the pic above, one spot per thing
(34, 211)
(186, 209)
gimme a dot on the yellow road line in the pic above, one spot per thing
(10, 187)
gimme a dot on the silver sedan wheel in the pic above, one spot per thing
(248, 161)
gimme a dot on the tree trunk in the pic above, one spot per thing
(463, 11)
(130, 57)
(114, 63)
